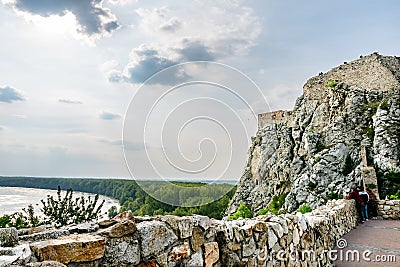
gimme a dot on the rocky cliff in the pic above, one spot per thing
(312, 153)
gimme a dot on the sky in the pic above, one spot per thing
(75, 92)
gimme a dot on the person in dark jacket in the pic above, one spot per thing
(354, 194)
(373, 204)
(364, 206)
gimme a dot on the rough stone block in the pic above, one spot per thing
(119, 230)
(8, 237)
(179, 253)
(74, 248)
(197, 239)
(155, 237)
(211, 253)
(122, 251)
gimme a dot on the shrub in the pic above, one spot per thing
(62, 211)
(312, 185)
(320, 146)
(384, 105)
(373, 105)
(32, 219)
(331, 84)
(263, 211)
(388, 182)
(394, 196)
(332, 195)
(349, 166)
(277, 203)
(371, 186)
(242, 212)
(19, 220)
(5, 221)
(393, 175)
(305, 208)
(370, 132)
(112, 212)
(282, 184)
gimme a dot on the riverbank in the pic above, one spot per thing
(143, 197)
(14, 199)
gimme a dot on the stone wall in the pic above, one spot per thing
(279, 116)
(389, 209)
(372, 72)
(266, 240)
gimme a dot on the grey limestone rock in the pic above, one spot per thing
(155, 236)
(301, 154)
(8, 237)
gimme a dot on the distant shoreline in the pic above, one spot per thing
(180, 180)
(15, 198)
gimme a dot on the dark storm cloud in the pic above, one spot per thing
(92, 17)
(69, 101)
(9, 95)
(109, 116)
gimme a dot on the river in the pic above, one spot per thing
(13, 199)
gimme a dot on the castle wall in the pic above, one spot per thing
(373, 72)
(389, 209)
(266, 240)
(279, 116)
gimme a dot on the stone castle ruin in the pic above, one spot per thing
(345, 124)
(371, 73)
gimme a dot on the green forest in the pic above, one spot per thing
(132, 197)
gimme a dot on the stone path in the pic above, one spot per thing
(376, 242)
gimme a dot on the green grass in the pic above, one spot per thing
(384, 105)
(242, 212)
(394, 196)
(331, 84)
(277, 203)
(263, 211)
(305, 209)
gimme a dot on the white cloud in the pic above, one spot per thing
(9, 95)
(204, 31)
(109, 116)
(121, 2)
(172, 25)
(69, 101)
